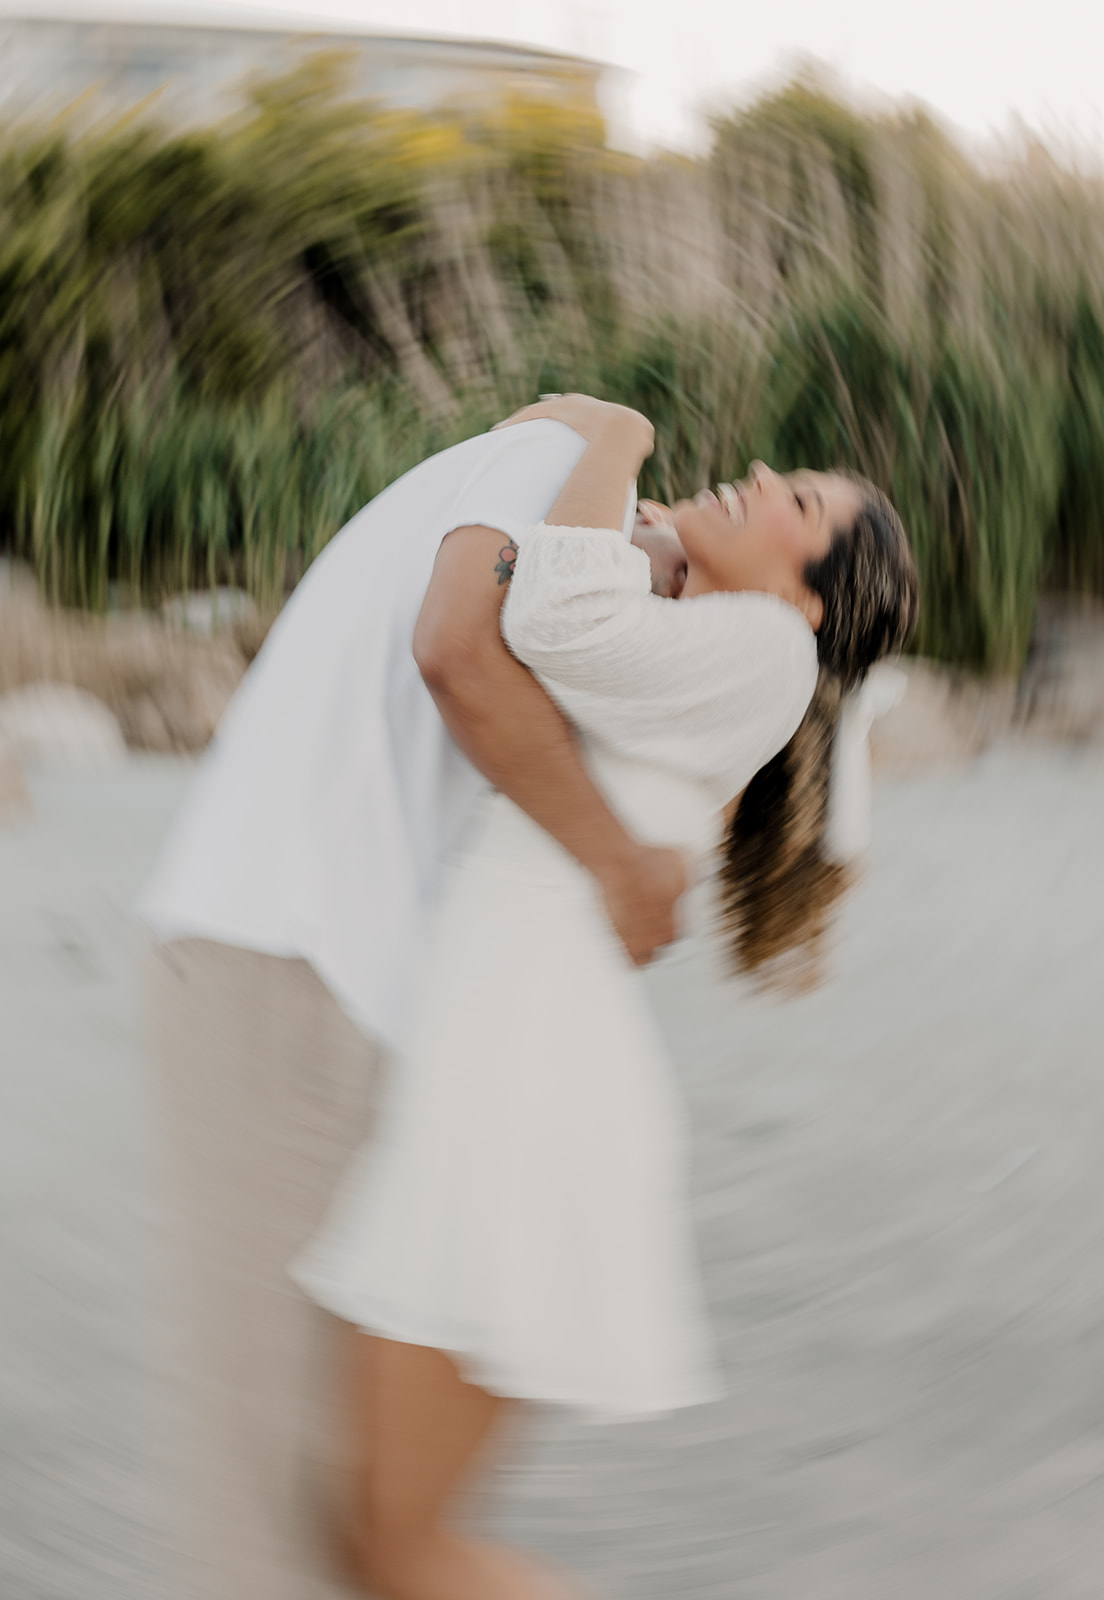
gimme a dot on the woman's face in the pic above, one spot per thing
(760, 534)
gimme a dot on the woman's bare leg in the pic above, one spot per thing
(418, 1432)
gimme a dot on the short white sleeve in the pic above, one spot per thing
(709, 688)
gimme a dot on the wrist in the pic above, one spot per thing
(627, 433)
(615, 859)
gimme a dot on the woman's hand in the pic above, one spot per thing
(590, 418)
(618, 441)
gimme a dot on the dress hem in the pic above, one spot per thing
(494, 1375)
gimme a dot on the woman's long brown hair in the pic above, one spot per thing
(778, 888)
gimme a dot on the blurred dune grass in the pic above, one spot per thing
(216, 345)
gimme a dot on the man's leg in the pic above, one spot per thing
(267, 1088)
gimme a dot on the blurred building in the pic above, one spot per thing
(195, 70)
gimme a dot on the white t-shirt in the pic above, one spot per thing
(323, 808)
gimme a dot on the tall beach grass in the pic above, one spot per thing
(215, 346)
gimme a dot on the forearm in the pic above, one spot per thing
(495, 710)
(594, 495)
(503, 720)
(509, 729)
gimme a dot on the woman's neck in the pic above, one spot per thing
(698, 581)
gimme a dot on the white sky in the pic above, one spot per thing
(973, 61)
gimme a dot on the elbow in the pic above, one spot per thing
(451, 669)
(432, 663)
(437, 654)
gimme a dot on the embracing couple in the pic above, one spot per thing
(427, 1150)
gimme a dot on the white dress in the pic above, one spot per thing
(523, 1204)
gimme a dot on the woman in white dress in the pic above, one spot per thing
(518, 1228)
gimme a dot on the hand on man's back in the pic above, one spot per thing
(641, 896)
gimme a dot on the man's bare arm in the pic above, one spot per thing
(513, 733)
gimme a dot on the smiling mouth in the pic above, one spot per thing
(731, 498)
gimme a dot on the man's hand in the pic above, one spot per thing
(641, 895)
(503, 720)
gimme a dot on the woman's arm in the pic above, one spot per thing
(700, 687)
(619, 441)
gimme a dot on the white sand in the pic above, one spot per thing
(901, 1195)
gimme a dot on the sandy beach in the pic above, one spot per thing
(899, 1192)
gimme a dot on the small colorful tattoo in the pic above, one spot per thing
(506, 558)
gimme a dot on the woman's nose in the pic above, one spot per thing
(760, 474)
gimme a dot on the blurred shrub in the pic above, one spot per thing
(1076, 554)
(216, 345)
(963, 437)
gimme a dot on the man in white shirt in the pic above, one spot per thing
(289, 905)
